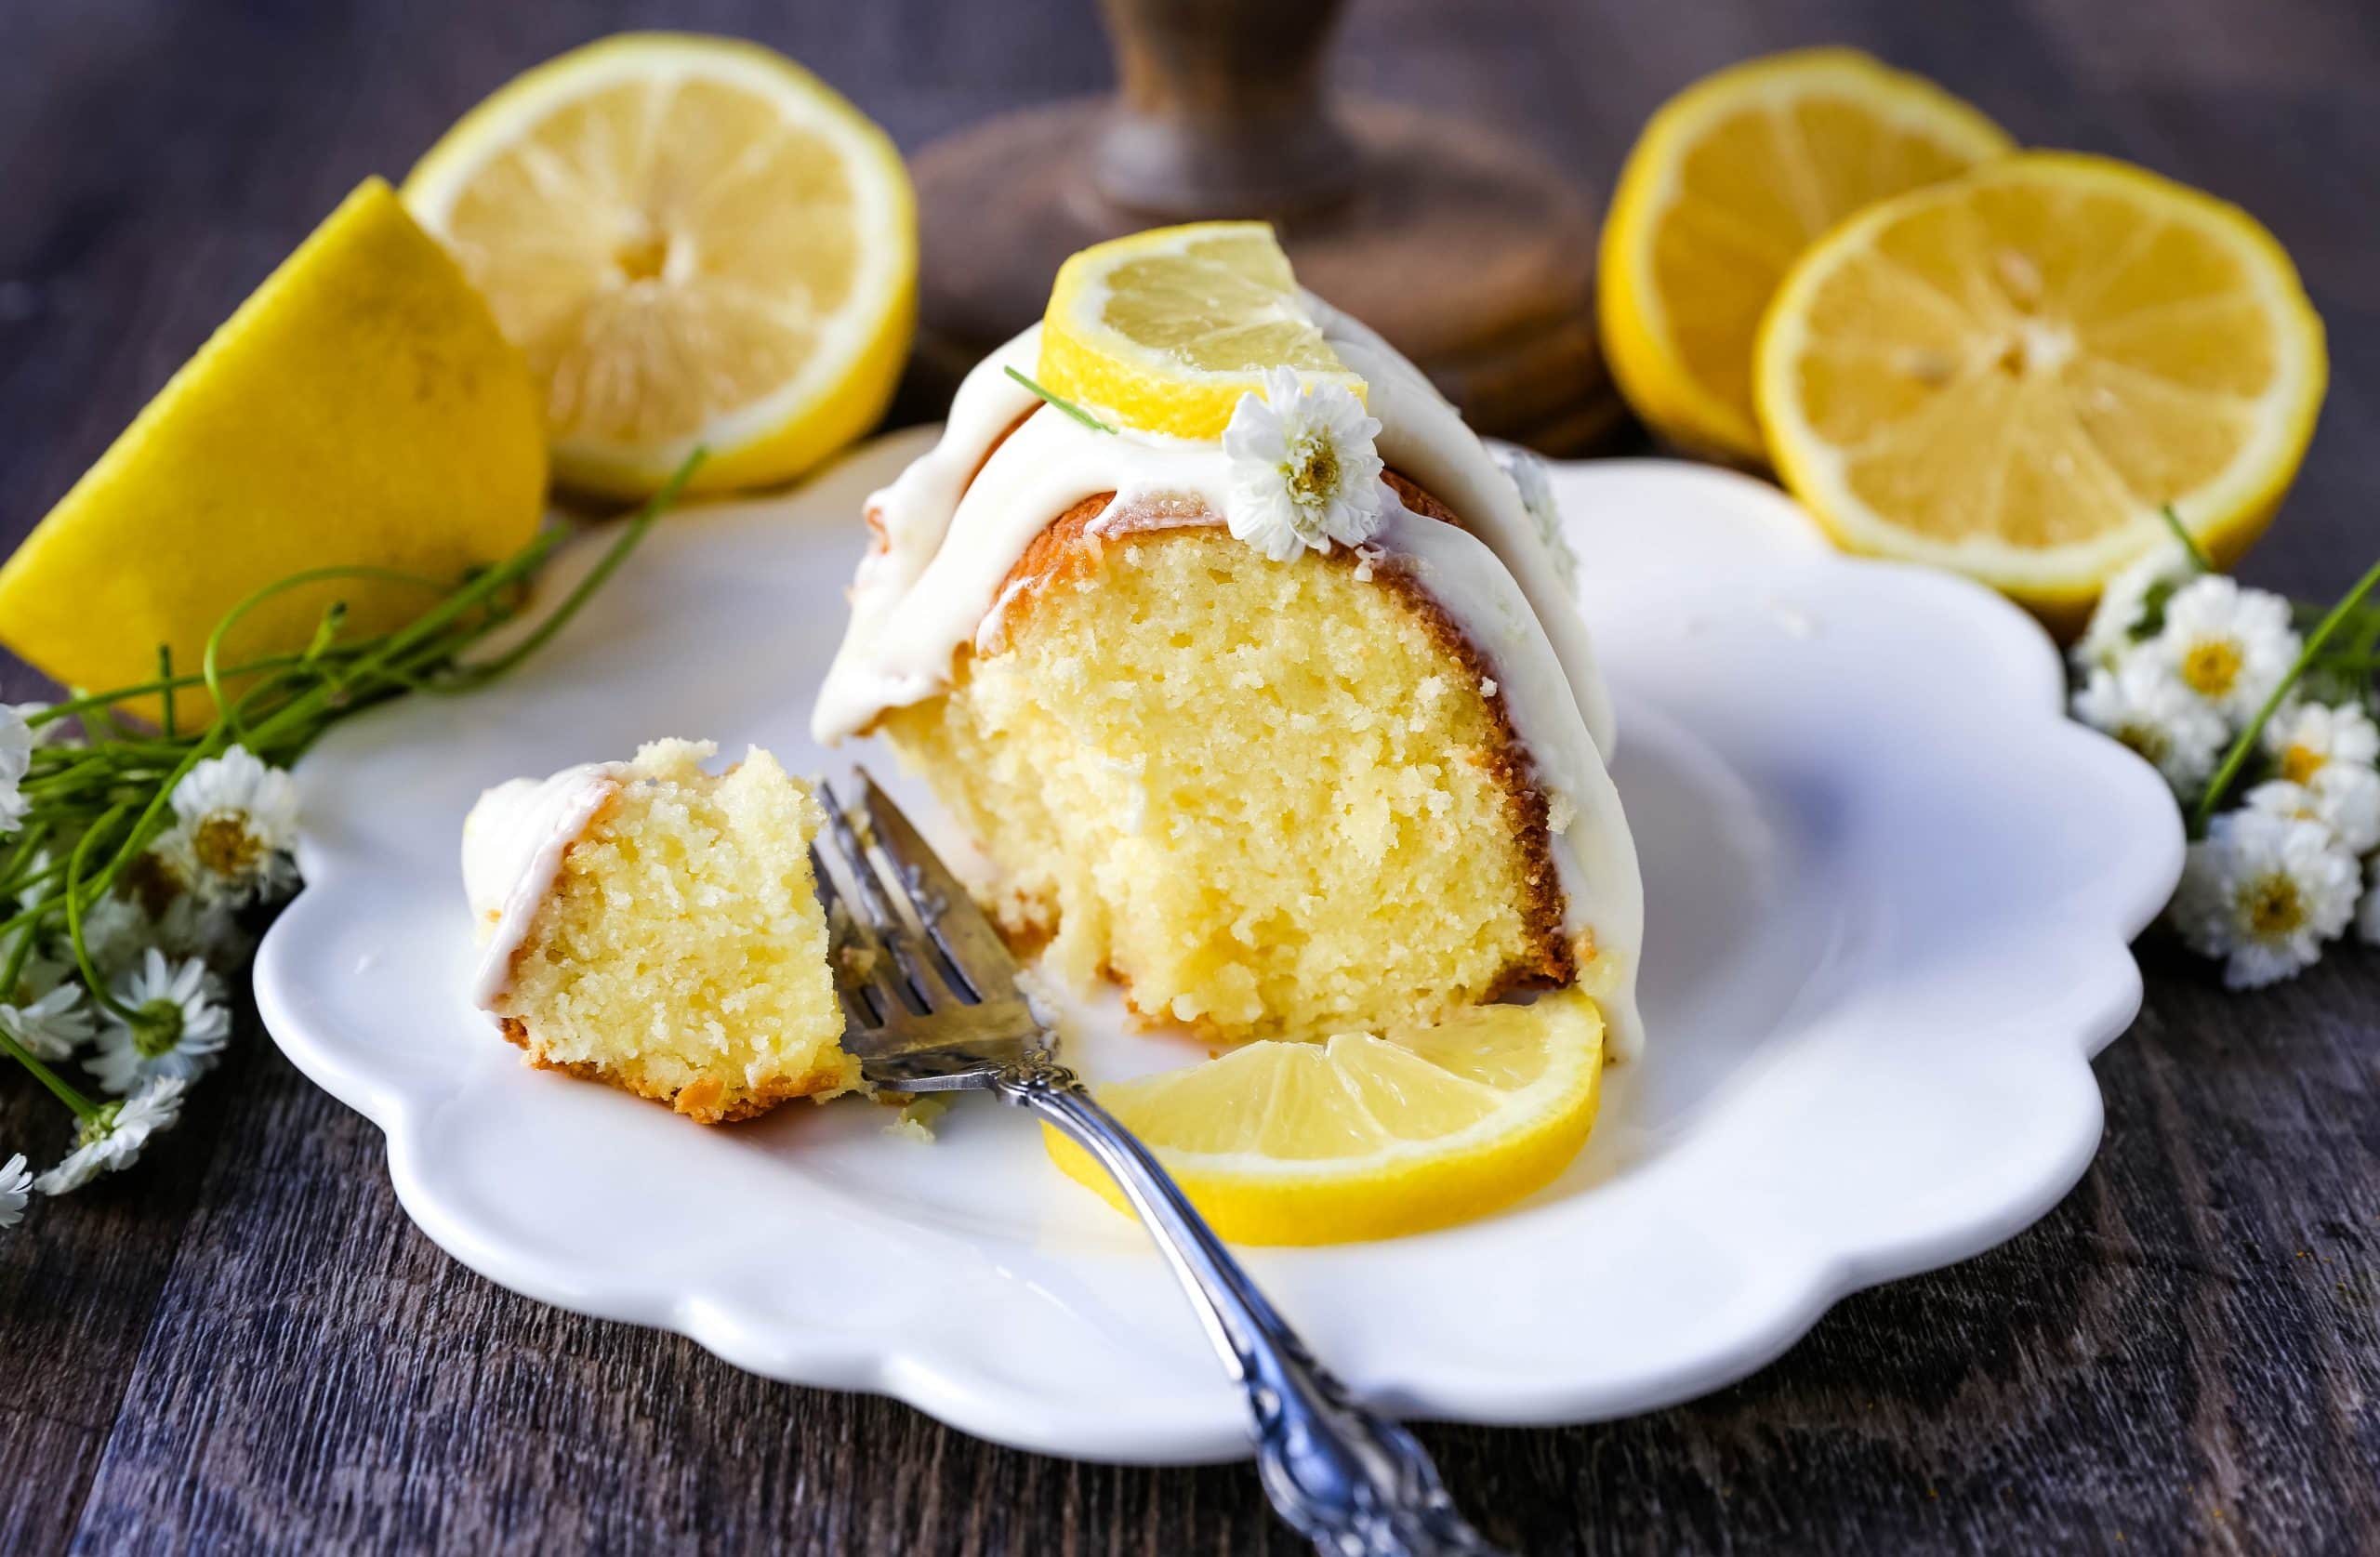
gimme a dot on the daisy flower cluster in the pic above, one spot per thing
(117, 986)
(2268, 738)
(139, 852)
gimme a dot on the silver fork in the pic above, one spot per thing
(930, 1005)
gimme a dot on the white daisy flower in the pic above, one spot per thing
(2367, 916)
(2143, 704)
(111, 1140)
(2263, 892)
(51, 1027)
(236, 819)
(15, 1188)
(179, 1024)
(2124, 602)
(115, 932)
(2229, 646)
(1303, 471)
(2330, 752)
(2307, 737)
(16, 756)
(1528, 472)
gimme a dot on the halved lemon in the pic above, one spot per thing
(695, 242)
(1166, 329)
(2008, 375)
(1364, 1136)
(1730, 181)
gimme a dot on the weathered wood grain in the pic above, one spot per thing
(247, 1346)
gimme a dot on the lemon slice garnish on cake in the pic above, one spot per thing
(1730, 181)
(1166, 329)
(1365, 1136)
(696, 242)
(2010, 373)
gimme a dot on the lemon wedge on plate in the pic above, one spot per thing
(1365, 1136)
(1730, 181)
(2010, 373)
(1166, 329)
(695, 242)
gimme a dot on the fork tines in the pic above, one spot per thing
(907, 940)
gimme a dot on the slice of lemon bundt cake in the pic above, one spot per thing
(1289, 725)
(653, 926)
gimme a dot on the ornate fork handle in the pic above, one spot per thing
(1351, 1482)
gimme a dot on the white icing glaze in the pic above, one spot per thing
(949, 544)
(514, 842)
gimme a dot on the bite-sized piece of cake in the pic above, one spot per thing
(1278, 771)
(653, 926)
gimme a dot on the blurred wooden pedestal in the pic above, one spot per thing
(1467, 251)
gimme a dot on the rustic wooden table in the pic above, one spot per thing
(247, 1346)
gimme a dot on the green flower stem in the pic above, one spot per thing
(84, 1107)
(166, 674)
(2237, 757)
(92, 979)
(20, 953)
(2199, 559)
(1052, 398)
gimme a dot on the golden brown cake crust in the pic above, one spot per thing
(1067, 550)
(699, 1099)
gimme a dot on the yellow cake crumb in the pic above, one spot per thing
(680, 953)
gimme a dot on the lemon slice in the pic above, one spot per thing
(2009, 374)
(1368, 1137)
(1166, 329)
(1730, 181)
(695, 242)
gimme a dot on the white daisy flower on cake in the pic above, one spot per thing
(1528, 475)
(16, 756)
(2146, 706)
(2262, 892)
(236, 820)
(2227, 645)
(178, 1024)
(15, 1188)
(2330, 752)
(1303, 470)
(2125, 603)
(51, 1027)
(111, 1140)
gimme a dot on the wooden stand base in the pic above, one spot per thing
(1469, 253)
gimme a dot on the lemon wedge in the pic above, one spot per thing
(695, 242)
(1165, 330)
(1365, 1136)
(361, 408)
(1730, 181)
(2009, 374)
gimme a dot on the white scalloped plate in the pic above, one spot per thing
(1890, 893)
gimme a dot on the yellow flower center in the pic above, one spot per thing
(151, 882)
(2146, 739)
(1314, 474)
(223, 844)
(2210, 668)
(2273, 906)
(2299, 764)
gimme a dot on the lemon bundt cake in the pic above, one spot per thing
(1281, 757)
(652, 925)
